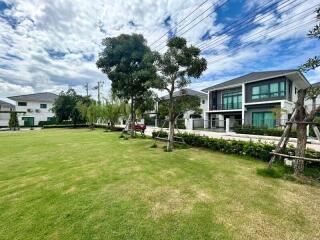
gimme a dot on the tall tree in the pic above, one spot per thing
(145, 103)
(303, 116)
(313, 62)
(175, 68)
(128, 63)
(65, 106)
(112, 111)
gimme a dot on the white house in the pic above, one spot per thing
(5, 109)
(34, 108)
(203, 97)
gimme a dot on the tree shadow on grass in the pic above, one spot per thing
(277, 172)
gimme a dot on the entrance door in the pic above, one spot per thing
(28, 121)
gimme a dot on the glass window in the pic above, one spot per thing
(232, 100)
(43, 105)
(263, 119)
(22, 103)
(268, 90)
(274, 89)
(282, 89)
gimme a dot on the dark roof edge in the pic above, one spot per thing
(31, 94)
(290, 71)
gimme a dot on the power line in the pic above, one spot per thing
(261, 31)
(199, 6)
(238, 23)
(214, 9)
(240, 46)
(215, 43)
(204, 17)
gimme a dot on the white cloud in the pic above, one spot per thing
(47, 48)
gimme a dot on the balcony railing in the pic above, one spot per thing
(230, 106)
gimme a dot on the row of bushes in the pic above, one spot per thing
(246, 129)
(65, 126)
(249, 148)
(79, 126)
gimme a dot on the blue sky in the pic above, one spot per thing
(53, 45)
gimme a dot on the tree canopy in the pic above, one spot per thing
(65, 106)
(128, 63)
(175, 69)
(182, 104)
(313, 62)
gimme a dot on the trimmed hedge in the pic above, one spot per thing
(42, 123)
(80, 126)
(262, 131)
(249, 148)
(65, 126)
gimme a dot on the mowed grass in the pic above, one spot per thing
(82, 184)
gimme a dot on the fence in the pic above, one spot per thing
(180, 123)
(216, 124)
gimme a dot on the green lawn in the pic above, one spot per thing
(82, 184)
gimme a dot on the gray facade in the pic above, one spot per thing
(264, 98)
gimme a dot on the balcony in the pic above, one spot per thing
(230, 106)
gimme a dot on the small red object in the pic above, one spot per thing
(139, 127)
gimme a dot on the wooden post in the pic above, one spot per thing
(284, 138)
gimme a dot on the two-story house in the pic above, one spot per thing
(255, 98)
(203, 98)
(35, 107)
(5, 109)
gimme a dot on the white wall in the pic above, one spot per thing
(203, 107)
(4, 117)
(41, 115)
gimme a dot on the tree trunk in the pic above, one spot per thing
(301, 132)
(171, 124)
(300, 149)
(133, 118)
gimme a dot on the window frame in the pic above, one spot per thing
(263, 91)
(22, 105)
(264, 123)
(43, 104)
(228, 100)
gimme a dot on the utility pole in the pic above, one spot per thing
(86, 86)
(98, 87)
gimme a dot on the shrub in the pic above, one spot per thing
(13, 121)
(248, 129)
(257, 150)
(42, 123)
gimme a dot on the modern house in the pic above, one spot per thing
(34, 107)
(5, 109)
(203, 98)
(258, 98)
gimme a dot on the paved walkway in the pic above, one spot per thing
(314, 144)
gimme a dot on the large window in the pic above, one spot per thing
(43, 105)
(22, 103)
(270, 90)
(232, 100)
(263, 119)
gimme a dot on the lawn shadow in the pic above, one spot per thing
(277, 172)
